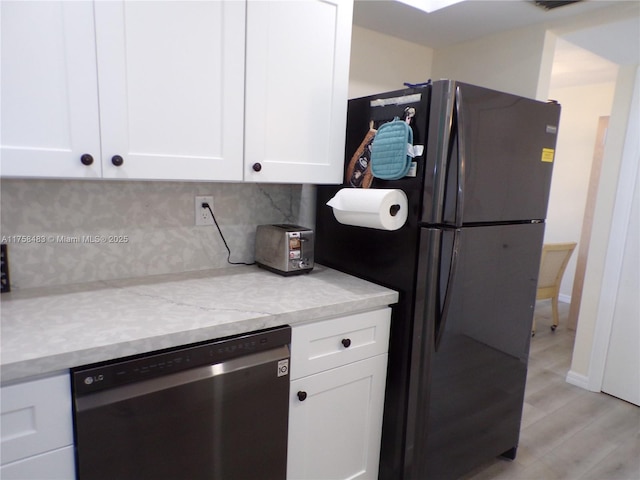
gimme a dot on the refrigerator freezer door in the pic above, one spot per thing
(491, 151)
(471, 398)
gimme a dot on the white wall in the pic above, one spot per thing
(380, 63)
(581, 108)
(588, 322)
(509, 61)
(622, 367)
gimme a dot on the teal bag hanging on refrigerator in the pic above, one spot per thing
(389, 157)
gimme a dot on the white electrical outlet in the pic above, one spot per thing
(203, 215)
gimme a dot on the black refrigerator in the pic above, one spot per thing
(465, 264)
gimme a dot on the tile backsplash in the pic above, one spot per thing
(65, 232)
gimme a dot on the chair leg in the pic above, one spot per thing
(554, 310)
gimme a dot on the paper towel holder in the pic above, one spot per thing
(382, 209)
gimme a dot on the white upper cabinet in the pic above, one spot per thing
(158, 89)
(171, 79)
(49, 90)
(154, 91)
(296, 90)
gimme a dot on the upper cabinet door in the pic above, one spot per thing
(296, 90)
(171, 89)
(49, 90)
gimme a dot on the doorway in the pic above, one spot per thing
(584, 84)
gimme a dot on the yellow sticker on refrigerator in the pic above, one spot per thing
(547, 155)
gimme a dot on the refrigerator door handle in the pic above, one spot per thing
(461, 157)
(427, 317)
(444, 145)
(446, 304)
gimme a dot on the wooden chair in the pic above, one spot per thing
(555, 257)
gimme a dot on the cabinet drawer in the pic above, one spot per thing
(331, 343)
(36, 417)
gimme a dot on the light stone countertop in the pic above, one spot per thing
(53, 329)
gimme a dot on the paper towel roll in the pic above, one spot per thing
(384, 209)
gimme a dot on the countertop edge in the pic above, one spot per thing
(56, 363)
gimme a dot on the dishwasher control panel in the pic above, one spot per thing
(101, 376)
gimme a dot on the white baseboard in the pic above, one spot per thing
(578, 380)
(564, 298)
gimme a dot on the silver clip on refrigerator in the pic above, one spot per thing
(466, 266)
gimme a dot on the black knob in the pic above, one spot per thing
(346, 342)
(256, 167)
(302, 396)
(117, 160)
(86, 159)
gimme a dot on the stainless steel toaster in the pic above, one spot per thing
(284, 249)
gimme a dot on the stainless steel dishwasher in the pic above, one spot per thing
(215, 410)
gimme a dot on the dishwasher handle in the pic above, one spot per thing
(280, 356)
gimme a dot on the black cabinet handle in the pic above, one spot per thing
(86, 159)
(302, 396)
(257, 167)
(346, 342)
(117, 160)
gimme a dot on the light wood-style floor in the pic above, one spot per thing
(567, 432)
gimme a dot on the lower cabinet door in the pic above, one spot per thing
(36, 417)
(335, 422)
(54, 465)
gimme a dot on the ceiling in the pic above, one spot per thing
(587, 55)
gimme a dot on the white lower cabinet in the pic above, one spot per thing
(334, 433)
(36, 440)
(335, 416)
(54, 465)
